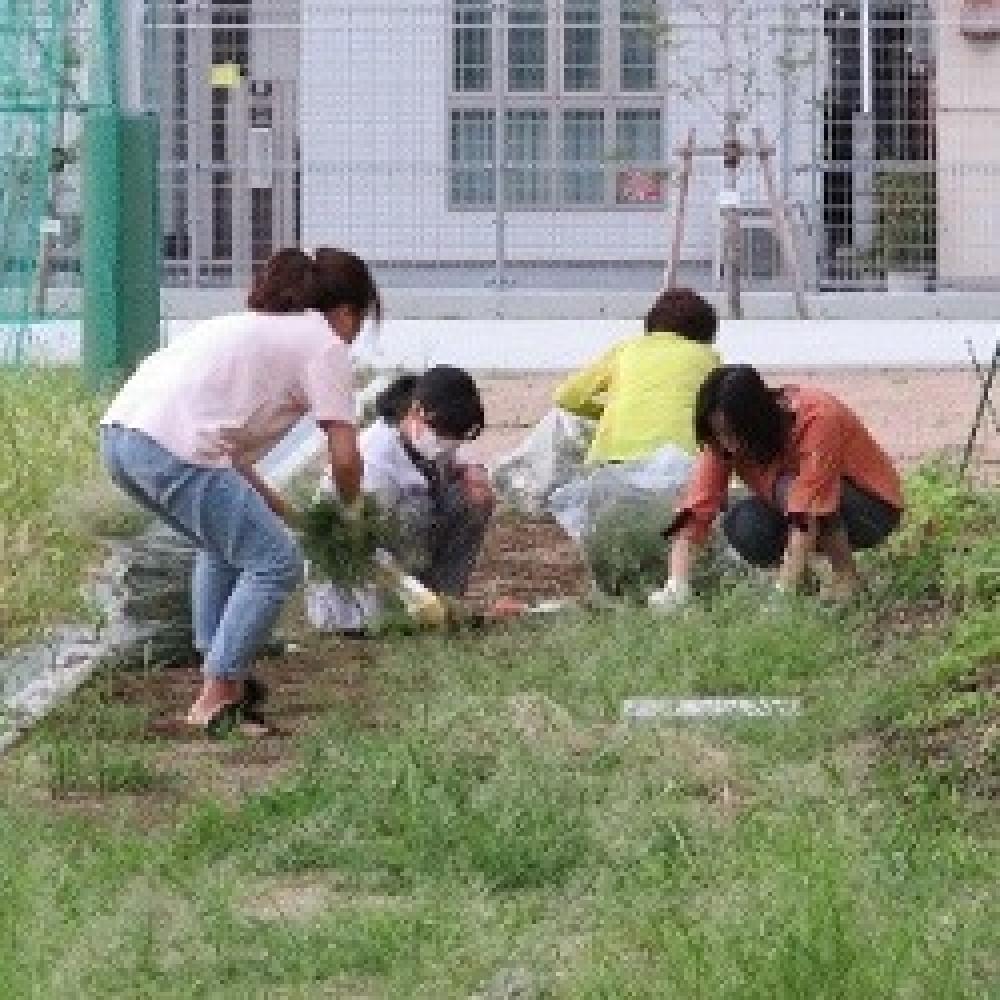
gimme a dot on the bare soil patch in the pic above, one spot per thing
(966, 748)
(528, 560)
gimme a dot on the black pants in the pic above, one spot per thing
(758, 530)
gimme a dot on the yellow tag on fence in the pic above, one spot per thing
(225, 75)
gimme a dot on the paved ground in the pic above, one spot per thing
(912, 412)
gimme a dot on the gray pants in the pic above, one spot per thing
(455, 532)
(758, 530)
(440, 532)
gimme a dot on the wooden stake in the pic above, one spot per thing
(786, 242)
(687, 158)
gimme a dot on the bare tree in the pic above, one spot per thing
(730, 60)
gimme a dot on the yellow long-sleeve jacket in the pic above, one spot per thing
(642, 394)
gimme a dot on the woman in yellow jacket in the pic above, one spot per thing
(642, 391)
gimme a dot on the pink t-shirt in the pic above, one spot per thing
(230, 389)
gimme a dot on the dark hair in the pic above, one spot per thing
(292, 281)
(684, 312)
(451, 402)
(750, 409)
(394, 400)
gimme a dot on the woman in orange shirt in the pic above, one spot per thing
(818, 482)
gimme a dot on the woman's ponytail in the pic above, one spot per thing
(287, 284)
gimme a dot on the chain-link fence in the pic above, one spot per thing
(530, 144)
(58, 59)
(540, 144)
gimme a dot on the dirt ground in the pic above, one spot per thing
(913, 413)
(526, 560)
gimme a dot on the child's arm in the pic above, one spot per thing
(579, 393)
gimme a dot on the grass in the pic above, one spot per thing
(482, 821)
(48, 435)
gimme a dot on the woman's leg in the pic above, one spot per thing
(250, 563)
(757, 530)
(867, 519)
(248, 547)
(134, 463)
(862, 522)
(212, 583)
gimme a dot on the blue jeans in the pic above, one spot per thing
(247, 562)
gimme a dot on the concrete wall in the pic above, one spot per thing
(559, 344)
(968, 96)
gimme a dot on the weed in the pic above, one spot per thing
(48, 444)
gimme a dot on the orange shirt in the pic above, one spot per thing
(827, 443)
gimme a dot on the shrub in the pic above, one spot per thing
(625, 550)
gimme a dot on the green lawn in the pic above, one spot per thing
(48, 449)
(481, 822)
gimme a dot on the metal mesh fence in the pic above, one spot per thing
(33, 60)
(533, 144)
(536, 144)
(57, 58)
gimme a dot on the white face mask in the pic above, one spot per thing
(428, 445)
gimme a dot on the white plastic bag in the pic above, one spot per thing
(330, 608)
(617, 514)
(657, 480)
(548, 457)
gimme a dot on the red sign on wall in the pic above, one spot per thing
(639, 187)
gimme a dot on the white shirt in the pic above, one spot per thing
(399, 486)
(231, 388)
(388, 468)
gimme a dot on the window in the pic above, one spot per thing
(526, 44)
(583, 157)
(639, 147)
(582, 45)
(637, 43)
(526, 151)
(472, 58)
(473, 150)
(530, 98)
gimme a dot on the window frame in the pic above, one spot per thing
(611, 98)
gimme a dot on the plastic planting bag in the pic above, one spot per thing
(551, 455)
(617, 514)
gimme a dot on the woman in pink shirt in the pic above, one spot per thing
(184, 433)
(818, 481)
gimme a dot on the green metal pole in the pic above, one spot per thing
(140, 239)
(121, 259)
(102, 246)
(121, 232)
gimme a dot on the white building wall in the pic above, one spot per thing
(968, 125)
(375, 145)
